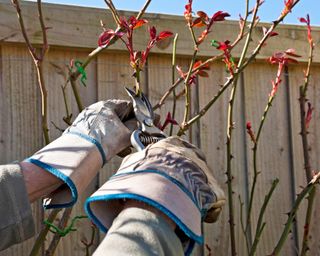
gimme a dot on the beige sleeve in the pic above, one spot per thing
(141, 233)
(16, 222)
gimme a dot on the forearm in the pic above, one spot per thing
(16, 223)
(38, 182)
(138, 231)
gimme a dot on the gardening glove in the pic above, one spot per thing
(95, 136)
(171, 175)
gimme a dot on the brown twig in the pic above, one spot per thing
(292, 214)
(204, 110)
(173, 71)
(56, 238)
(38, 61)
(114, 12)
(88, 245)
(305, 145)
(229, 133)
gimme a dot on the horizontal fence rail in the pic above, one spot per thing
(73, 34)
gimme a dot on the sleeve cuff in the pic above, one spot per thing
(16, 223)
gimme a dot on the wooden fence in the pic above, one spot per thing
(73, 35)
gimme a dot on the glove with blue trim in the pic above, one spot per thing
(171, 175)
(95, 136)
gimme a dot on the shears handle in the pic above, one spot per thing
(140, 140)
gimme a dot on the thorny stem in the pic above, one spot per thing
(68, 116)
(75, 74)
(37, 59)
(304, 132)
(307, 223)
(306, 156)
(76, 94)
(187, 89)
(255, 168)
(114, 12)
(205, 63)
(204, 110)
(137, 81)
(38, 63)
(241, 220)
(186, 80)
(56, 238)
(292, 213)
(88, 245)
(44, 101)
(229, 173)
(229, 135)
(260, 225)
(173, 72)
(43, 233)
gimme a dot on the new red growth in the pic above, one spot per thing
(169, 120)
(250, 132)
(198, 69)
(227, 59)
(307, 21)
(282, 59)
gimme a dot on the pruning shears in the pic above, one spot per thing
(146, 133)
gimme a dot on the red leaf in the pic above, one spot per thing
(188, 12)
(303, 20)
(164, 35)
(197, 64)
(139, 23)
(168, 120)
(105, 37)
(273, 34)
(153, 32)
(309, 115)
(220, 16)
(202, 15)
(291, 52)
(198, 22)
(203, 73)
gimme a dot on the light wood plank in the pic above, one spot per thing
(213, 142)
(313, 93)
(273, 154)
(20, 124)
(55, 66)
(80, 27)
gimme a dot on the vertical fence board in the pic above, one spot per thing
(20, 106)
(113, 74)
(213, 142)
(273, 156)
(296, 79)
(160, 79)
(20, 125)
(56, 72)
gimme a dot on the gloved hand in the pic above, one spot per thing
(95, 136)
(171, 175)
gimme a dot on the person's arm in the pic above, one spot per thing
(38, 182)
(16, 222)
(141, 230)
(63, 168)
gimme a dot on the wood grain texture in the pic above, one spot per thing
(273, 155)
(74, 32)
(213, 142)
(20, 124)
(80, 27)
(56, 71)
(313, 93)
